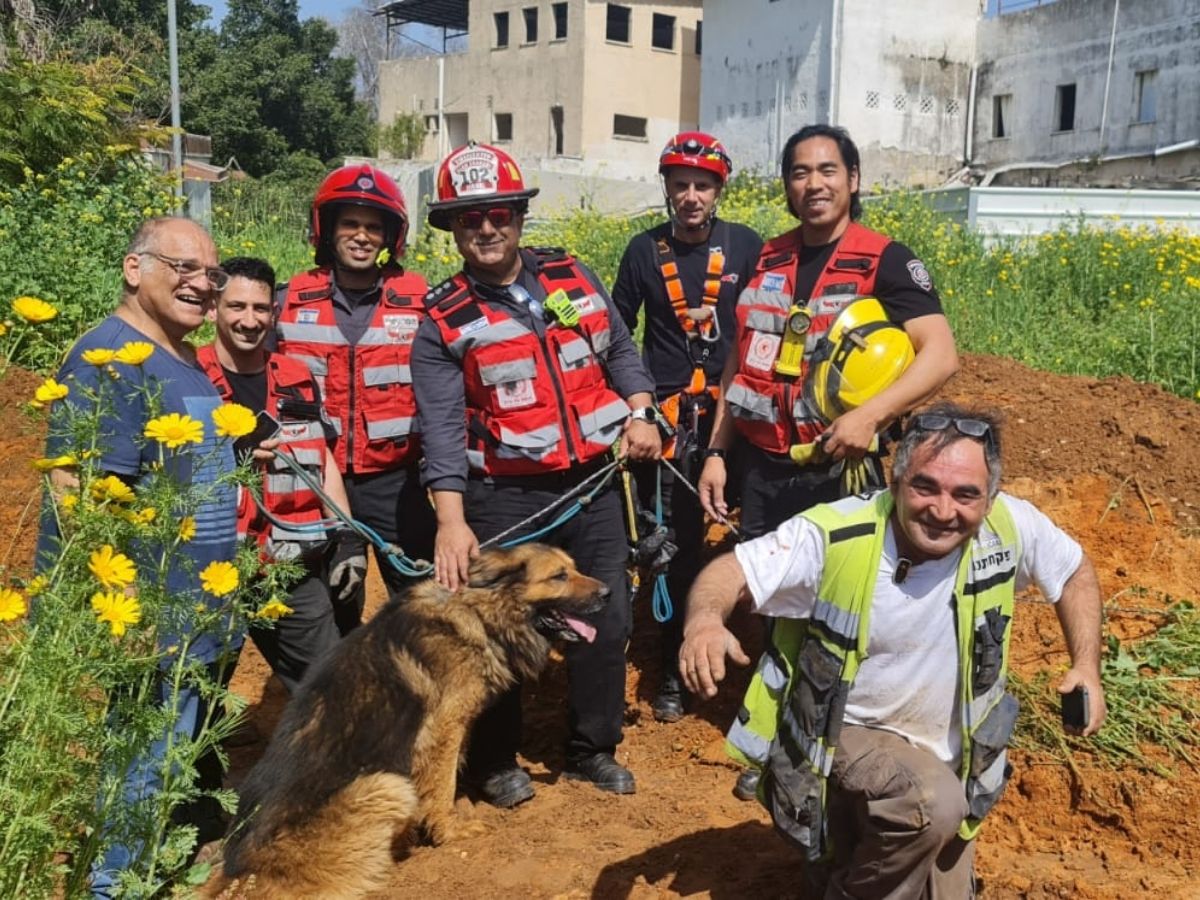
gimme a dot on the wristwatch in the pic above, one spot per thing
(718, 452)
(645, 414)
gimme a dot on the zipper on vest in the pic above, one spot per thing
(560, 396)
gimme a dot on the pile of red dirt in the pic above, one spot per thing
(1113, 461)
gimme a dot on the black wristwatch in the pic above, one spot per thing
(714, 451)
(645, 414)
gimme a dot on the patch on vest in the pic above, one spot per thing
(308, 316)
(401, 328)
(763, 350)
(293, 431)
(774, 281)
(585, 304)
(472, 327)
(516, 394)
(731, 278)
(920, 275)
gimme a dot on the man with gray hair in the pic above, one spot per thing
(880, 715)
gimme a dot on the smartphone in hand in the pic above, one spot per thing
(1075, 709)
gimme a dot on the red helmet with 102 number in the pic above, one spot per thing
(358, 185)
(476, 175)
(697, 150)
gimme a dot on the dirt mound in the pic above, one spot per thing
(1111, 460)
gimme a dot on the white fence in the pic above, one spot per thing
(1016, 211)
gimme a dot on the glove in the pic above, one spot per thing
(860, 476)
(347, 567)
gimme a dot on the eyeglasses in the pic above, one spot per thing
(973, 428)
(187, 269)
(499, 216)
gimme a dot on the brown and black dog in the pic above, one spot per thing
(370, 744)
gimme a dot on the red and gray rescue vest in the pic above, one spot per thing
(792, 714)
(769, 408)
(367, 387)
(534, 404)
(284, 495)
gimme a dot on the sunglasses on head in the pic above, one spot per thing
(972, 428)
(499, 216)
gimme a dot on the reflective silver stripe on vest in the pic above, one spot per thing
(818, 755)
(756, 296)
(839, 621)
(336, 422)
(801, 411)
(283, 483)
(311, 334)
(575, 354)
(381, 337)
(747, 404)
(601, 341)
(492, 333)
(475, 459)
(536, 444)
(753, 746)
(300, 537)
(317, 366)
(508, 371)
(306, 456)
(389, 428)
(393, 373)
(982, 705)
(761, 320)
(774, 677)
(990, 779)
(604, 422)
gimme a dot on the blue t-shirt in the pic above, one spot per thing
(182, 388)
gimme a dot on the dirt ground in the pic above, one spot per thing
(1113, 461)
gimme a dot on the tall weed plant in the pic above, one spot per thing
(95, 653)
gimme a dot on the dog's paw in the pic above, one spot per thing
(449, 830)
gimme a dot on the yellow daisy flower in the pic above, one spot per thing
(46, 463)
(219, 578)
(134, 353)
(111, 568)
(117, 610)
(13, 605)
(187, 528)
(110, 487)
(37, 585)
(274, 609)
(98, 356)
(175, 430)
(233, 420)
(33, 310)
(49, 391)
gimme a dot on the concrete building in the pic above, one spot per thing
(1028, 92)
(897, 75)
(579, 87)
(1090, 92)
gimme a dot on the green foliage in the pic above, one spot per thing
(1149, 688)
(269, 85)
(82, 674)
(55, 109)
(404, 137)
(62, 237)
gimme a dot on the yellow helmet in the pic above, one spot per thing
(862, 354)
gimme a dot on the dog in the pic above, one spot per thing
(370, 745)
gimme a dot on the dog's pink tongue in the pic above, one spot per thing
(582, 628)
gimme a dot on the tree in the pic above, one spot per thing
(404, 138)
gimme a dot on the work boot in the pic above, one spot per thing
(667, 705)
(602, 770)
(507, 787)
(746, 787)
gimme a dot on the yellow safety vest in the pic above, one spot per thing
(792, 713)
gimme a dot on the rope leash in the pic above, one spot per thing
(601, 478)
(662, 607)
(691, 487)
(393, 553)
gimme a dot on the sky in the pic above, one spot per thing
(325, 9)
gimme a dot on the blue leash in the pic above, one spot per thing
(663, 609)
(601, 478)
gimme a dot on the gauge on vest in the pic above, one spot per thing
(791, 354)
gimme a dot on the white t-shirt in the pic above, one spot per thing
(908, 684)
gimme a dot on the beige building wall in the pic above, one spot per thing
(590, 79)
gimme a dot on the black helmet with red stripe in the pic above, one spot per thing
(358, 185)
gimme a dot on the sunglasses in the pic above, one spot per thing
(499, 216)
(187, 269)
(972, 428)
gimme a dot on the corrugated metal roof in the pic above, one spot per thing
(450, 14)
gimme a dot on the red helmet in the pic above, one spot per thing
(699, 151)
(475, 175)
(360, 185)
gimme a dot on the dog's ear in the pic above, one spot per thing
(496, 568)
